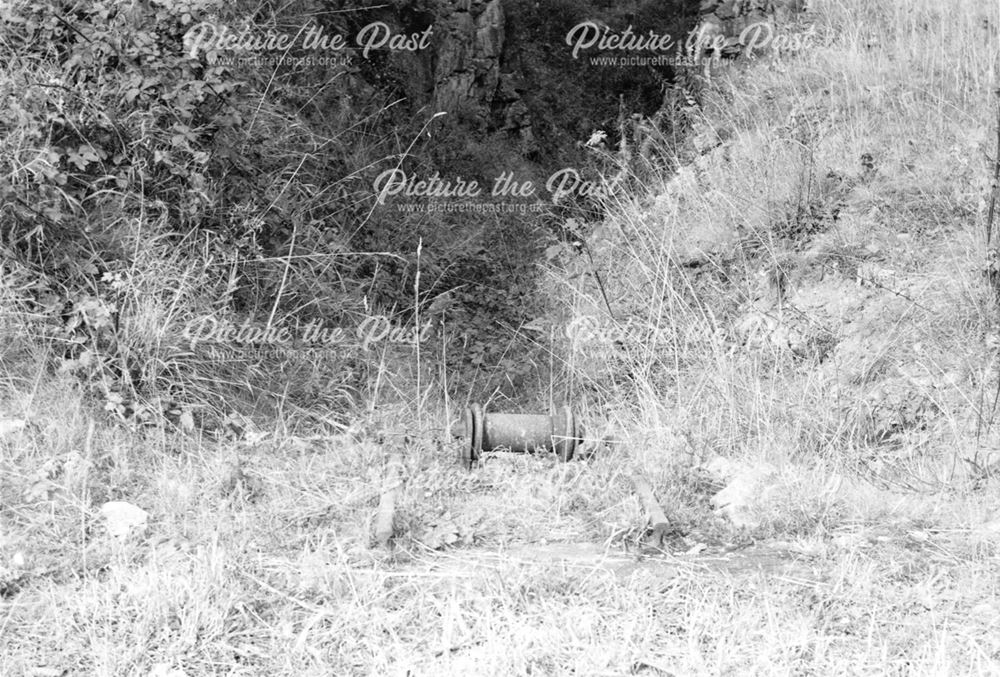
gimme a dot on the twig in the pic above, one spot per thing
(996, 182)
(391, 484)
(657, 518)
(597, 276)
(876, 283)
(991, 272)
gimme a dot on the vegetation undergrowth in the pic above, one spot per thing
(800, 299)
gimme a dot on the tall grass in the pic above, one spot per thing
(758, 327)
(749, 264)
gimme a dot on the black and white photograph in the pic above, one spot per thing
(513, 338)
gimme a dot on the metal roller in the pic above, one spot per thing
(523, 433)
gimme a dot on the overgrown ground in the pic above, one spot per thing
(814, 280)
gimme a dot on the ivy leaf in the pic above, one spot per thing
(83, 156)
(552, 252)
(573, 226)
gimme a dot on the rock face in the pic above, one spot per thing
(472, 72)
(461, 72)
(734, 14)
(468, 81)
(504, 66)
(467, 69)
(730, 19)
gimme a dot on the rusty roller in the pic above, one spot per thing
(523, 433)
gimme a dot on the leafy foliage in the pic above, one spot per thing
(150, 183)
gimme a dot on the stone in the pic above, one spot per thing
(467, 75)
(121, 518)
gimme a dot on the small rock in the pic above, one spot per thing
(850, 540)
(9, 426)
(47, 672)
(121, 518)
(746, 484)
(990, 527)
(165, 670)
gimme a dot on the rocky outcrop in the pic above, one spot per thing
(503, 66)
(732, 22)
(515, 115)
(461, 73)
(467, 58)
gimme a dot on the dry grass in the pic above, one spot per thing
(275, 576)
(257, 556)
